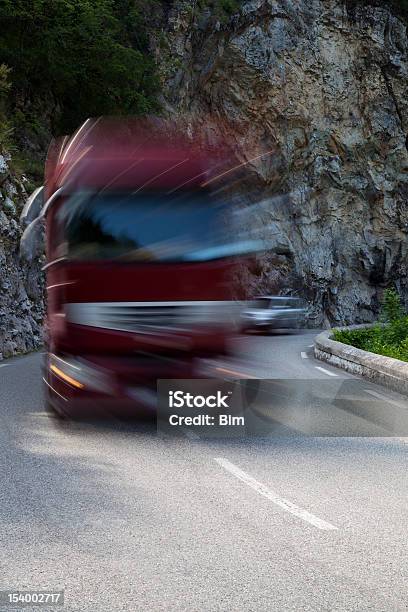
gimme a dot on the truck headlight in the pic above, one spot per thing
(79, 374)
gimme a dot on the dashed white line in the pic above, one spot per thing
(304, 355)
(5, 365)
(326, 371)
(276, 499)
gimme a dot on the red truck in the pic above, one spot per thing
(140, 263)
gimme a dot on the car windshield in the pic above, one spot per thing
(277, 302)
(262, 303)
(148, 227)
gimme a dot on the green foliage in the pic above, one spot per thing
(391, 306)
(4, 79)
(222, 9)
(360, 338)
(5, 126)
(90, 56)
(389, 338)
(229, 6)
(30, 167)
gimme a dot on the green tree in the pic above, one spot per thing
(90, 55)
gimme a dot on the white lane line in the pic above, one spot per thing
(304, 355)
(191, 435)
(311, 346)
(385, 398)
(326, 371)
(276, 499)
(5, 365)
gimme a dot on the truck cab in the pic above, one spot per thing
(140, 266)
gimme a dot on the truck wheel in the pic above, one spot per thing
(49, 407)
(53, 412)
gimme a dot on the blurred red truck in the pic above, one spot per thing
(140, 260)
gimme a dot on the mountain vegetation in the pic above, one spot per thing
(389, 337)
(62, 61)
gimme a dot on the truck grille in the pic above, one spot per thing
(146, 316)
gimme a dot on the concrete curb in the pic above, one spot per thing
(391, 373)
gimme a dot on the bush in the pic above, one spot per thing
(389, 338)
(355, 337)
(391, 306)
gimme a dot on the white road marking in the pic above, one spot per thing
(326, 371)
(304, 355)
(385, 398)
(311, 346)
(276, 499)
(191, 435)
(5, 365)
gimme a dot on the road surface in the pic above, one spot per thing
(125, 519)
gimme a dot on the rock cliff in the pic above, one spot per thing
(322, 84)
(21, 281)
(314, 92)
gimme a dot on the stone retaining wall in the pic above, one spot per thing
(386, 371)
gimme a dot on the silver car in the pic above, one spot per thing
(274, 312)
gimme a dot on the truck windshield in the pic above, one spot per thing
(147, 227)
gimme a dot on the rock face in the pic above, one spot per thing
(322, 85)
(21, 282)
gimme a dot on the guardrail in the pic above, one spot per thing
(386, 371)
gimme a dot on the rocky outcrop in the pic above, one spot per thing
(312, 96)
(322, 86)
(21, 281)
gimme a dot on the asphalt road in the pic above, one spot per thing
(125, 519)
